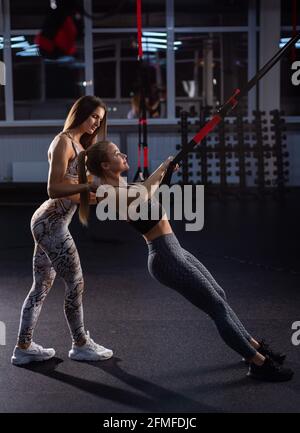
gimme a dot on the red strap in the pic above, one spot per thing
(139, 27)
(145, 157)
(207, 128)
(139, 156)
(232, 99)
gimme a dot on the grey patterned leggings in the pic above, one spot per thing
(178, 269)
(55, 253)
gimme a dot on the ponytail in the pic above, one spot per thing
(84, 208)
(90, 159)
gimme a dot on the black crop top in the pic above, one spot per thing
(143, 226)
(153, 207)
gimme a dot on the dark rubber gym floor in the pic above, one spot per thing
(168, 355)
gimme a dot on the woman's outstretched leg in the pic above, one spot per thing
(204, 271)
(168, 264)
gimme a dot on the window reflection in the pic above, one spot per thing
(195, 13)
(120, 13)
(44, 88)
(118, 74)
(208, 67)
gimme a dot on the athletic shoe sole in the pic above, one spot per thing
(280, 362)
(29, 359)
(269, 379)
(82, 357)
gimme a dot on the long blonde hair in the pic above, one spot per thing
(79, 112)
(90, 160)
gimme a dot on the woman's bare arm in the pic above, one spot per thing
(140, 190)
(143, 190)
(154, 180)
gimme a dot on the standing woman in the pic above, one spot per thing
(55, 252)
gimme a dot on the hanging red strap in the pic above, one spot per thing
(139, 156)
(146, 157)
(139, 28)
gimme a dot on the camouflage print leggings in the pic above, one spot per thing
(55, 253)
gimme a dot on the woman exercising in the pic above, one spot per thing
(173, 266)
(55, 252)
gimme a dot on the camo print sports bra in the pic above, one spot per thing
(72, 168)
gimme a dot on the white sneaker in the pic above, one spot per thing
(90, 351)
(34, 352)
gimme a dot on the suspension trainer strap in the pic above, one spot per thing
(226, 108)
(142, 131)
